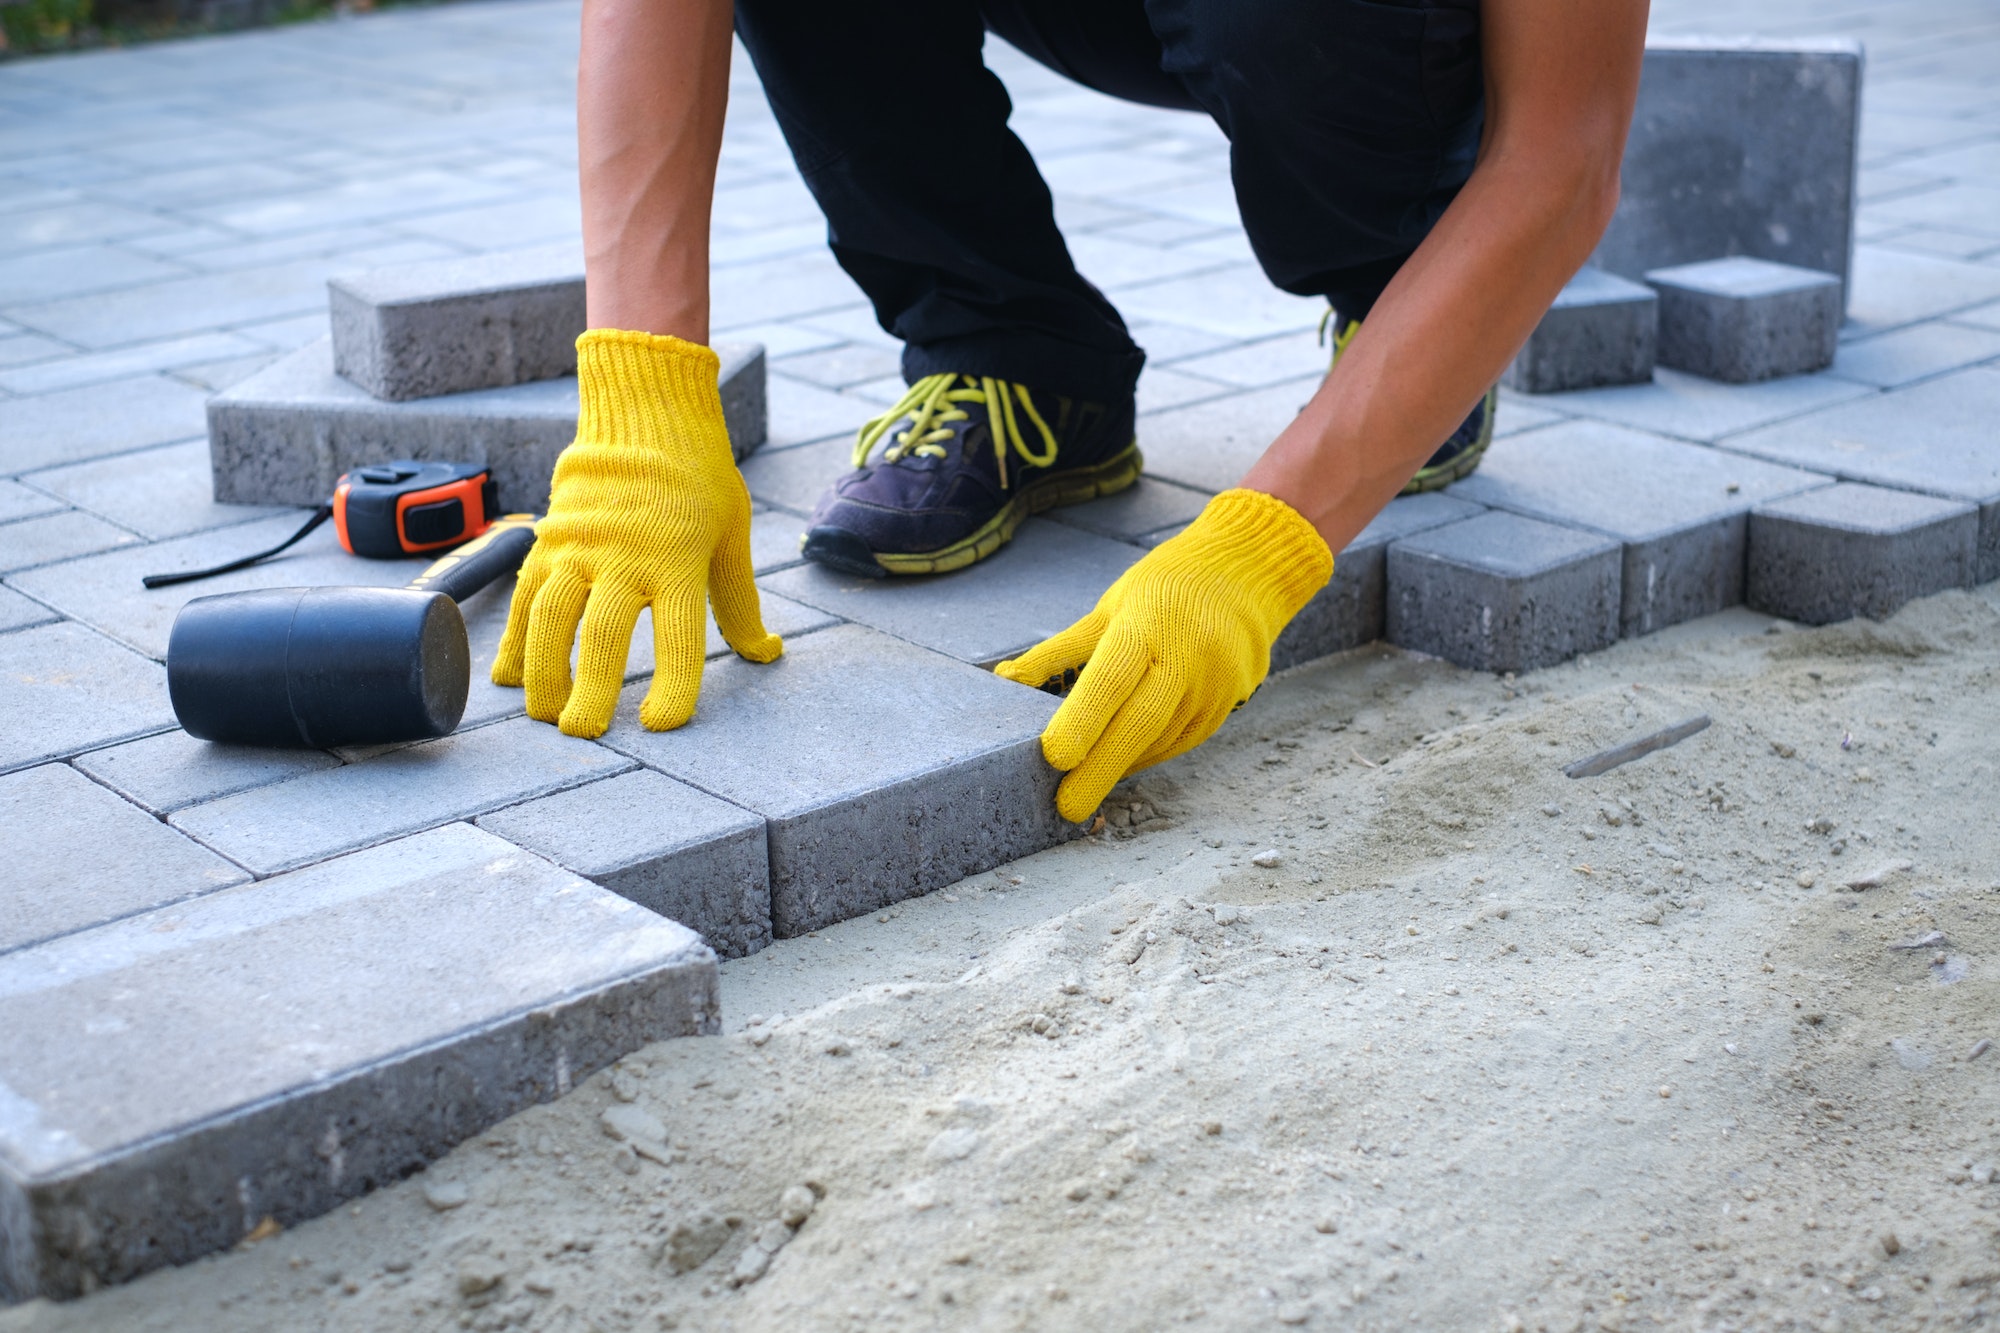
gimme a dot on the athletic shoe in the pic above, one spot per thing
(1458, 456)
(966, 459)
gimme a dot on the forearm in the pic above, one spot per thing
(1446, 327)
(652, 91)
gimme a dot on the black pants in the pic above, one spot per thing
(1352, 124)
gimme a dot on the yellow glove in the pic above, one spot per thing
(1175, 645)
(646, 509)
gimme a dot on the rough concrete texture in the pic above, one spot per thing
(1499, 592)
(885, 770)
(1938, 438)
(1680, 511)
(1150, 505)
(270, 1050)
(77, 856)
(1350, 610)
(1853, 550)
(1037, 585)
(166, 772)
(1602, 329)
(64, 688)
(451, 325)
(669, 848)
(284, 435)
(1740, 146)
(1743, 320)
(317, 815)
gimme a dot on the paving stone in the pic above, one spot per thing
(449, 325)
(1742, 320)
(669, 848)
(21, 349)
(870, 798)
(1689, 407)
(1209, 446)
(794, 478)
(1739, 147)
(156, 493)
(1601, 329)
(18, 612)
(43, 275)
(18, 501)
(1893, 288)
(274, 1049)
(1048, 577)
(77, 856)
(1252, 365)
(1499, 592)
(1919, 352)
(1854, 550)
(53, 537)
(171, 770)
(317, 815)
(64, 688)
(1148, 506)
(1233, 300)
(1679, 510)
(1936, 438)
(802, 412)
(1350, 610)
(285, 435)
(97, 367)
(194, 304)
(97, 419)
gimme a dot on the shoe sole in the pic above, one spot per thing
(1461, 467)
(844, 551)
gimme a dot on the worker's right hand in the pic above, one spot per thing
(646, 509)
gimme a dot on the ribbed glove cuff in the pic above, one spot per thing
(642, 389)
(1269, 536)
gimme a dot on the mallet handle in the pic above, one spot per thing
(493, 554)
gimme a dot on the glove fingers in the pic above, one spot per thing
(1050, 659)
(514, 639)
(552, 618)
(1113, 672)
(732, 591)
(1145, 715)
(608, 621)
(680, 634)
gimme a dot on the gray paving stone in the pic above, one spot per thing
(98, 419)
(1499, 592)
(277, 1048)
(1601, 329)
(1854, 550)
(1351, 609)
(285, 435)
(166, 772)
(18, 501)
(1233, 300)
(1740, 147)
(1679, 510)
(317, 815)
(1146, 507)
(1742, 320)
(450, 325)
(669, 848)
(867, 804)
(1209, 446)
(794, 478)
(64, 688)
(1689, 407)
(1919, 352)
(77, 856)
(42, 275)
(97, 367)
(1892, 288)
(157, 493)
(52, 537)
(1246, 365)
(1037, 585)
(18, 612)
(802, 412)
(186, 305)
(21, 349)
(1937, 438)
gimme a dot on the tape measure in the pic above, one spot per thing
(387, 511)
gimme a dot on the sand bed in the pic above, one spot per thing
(1487, 1047)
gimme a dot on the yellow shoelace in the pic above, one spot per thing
(1341, 336)
(932, 406)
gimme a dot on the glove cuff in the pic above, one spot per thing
(1272, 538)
(646, 390)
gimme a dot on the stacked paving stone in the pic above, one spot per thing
(244, 984)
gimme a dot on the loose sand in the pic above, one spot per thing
(1488, 1048)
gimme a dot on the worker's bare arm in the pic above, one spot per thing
(652, 88)
(1561, 77)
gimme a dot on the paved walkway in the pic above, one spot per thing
(169, 217)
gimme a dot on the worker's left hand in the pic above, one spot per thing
(1178, 643)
